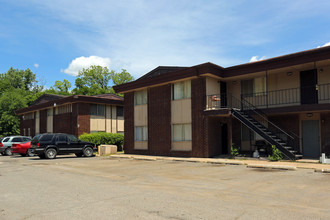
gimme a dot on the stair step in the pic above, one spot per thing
(298, 156)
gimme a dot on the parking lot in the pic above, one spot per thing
(109, 188)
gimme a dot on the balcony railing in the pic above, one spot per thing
(270, 99)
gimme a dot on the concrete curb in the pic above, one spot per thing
(322, 170)
(218, 161)
(271, 166)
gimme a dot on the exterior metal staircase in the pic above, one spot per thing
(255, 119)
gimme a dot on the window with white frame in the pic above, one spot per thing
(64, 109)
(181, 132)
(181, 90)
(141, 97)
(97, 110)
(141, 133)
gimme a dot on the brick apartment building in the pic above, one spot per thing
(200, 111)
(75, 115)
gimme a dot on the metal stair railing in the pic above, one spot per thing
(289, 137)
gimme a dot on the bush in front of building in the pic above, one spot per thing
(276, 154)
(104, 138)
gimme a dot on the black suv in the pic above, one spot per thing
(49, 145)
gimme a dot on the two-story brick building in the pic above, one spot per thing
(200, 111)
(75, 115)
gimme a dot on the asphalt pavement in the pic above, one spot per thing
(126, 188)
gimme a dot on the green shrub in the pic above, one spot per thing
(234, 150)
(276, 154)
(104, 138)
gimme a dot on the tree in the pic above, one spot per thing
(93, 80)
(96, 80)
(10, 101)
(18, 89)
(122, 77)
(61, 87)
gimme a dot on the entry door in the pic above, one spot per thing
(223, 94)
(224, 139)
(308, 89)
(310, 135)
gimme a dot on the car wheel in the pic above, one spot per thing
(8, 152)
(88, 151)
(50, 153)
(79, 154)
(29, 153)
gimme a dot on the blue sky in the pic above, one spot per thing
(57, 38)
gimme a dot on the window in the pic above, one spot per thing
(17, 139)
(181, 90)
(97, 110)
(37, 114)
(141, 133)
(6, 140)
(181, 132)
(62, 138)
(50, 112)
(120, 111)
(141, 97)
(63, 109)
(253, 87)
(28, 116)
(46, 137)
(26, 139)
(72, 138)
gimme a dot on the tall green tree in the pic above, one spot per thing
(93, 80)
(18, 89)
(10, 101)
(99, 80)
(60, 87)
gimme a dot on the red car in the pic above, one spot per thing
(22, 149)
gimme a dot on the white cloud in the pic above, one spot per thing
(324, 45)
(85, 62)
(36, 65)
(256, 58)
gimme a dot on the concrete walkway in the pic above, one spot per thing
(250, 163)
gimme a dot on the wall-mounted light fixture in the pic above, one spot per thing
(54, 104)
(309, 115)
(321, 70)
(234, 82)
(289, 73)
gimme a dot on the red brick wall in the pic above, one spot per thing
(26, 124)
(43, 121)
(159, 120)
(129, 124)
(198, 93)
(325, 133)
(286, 122)
(63, 124)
